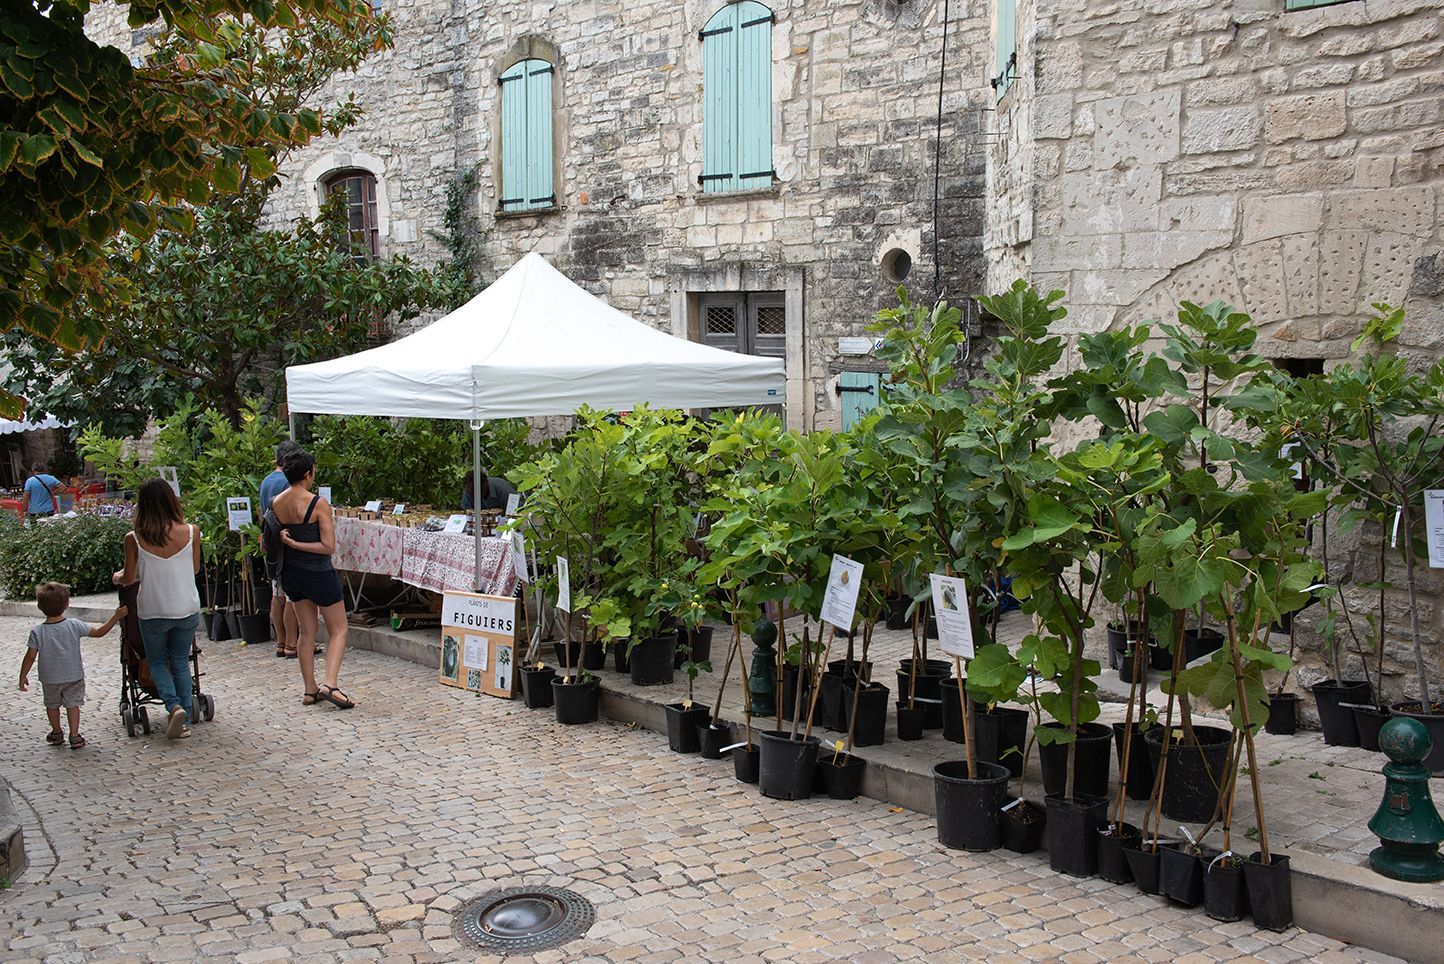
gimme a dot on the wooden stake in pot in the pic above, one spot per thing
(727, 670)
(967, 728)
(812, 703)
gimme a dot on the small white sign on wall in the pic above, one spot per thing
(1434, 526)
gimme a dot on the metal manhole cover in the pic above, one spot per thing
(520, 920)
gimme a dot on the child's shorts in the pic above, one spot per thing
(67, 695)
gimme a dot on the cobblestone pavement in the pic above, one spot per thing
(280, 831)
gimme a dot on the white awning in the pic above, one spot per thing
(7, 427)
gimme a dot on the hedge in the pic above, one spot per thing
(82, 552)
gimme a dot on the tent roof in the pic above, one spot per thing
(533, 343)
(8, 427)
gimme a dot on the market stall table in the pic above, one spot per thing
(434, 561)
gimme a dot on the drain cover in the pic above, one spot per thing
(519, 920)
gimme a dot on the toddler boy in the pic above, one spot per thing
(56, 643)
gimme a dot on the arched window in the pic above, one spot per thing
(526, 137)
(359, 189)
(737, 99)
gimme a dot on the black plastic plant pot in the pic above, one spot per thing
(1369, 721)
(843, 668)
(1139, 778)
(1126, 668)
(1093, 761)
(536, 687)
(1143, 865)
(652, 660)
(1340, 728)
(700, 641)
(952, 709)
(1195, 772)
(968, 810)
(712, 737)
(897, 612)
(233, 623)
(1160, 658)
(1022, 827)
(831, 711)
(1180, 874)
(1073, 833)
(928, 688)
(841, 780)
(682, 723)
(870, 727)
(1200, 642)
(1117, 643)
(909, 722)
(1270, 891)
(216, 628)
(746, 762)
(785, 770)
(790, 676)
(1225, 897)
(1112, 839)
(577, 702)
(594, 655)
(620, 658)
(1283, 714)
(568, 654)
(1001, 736)
(930, 628)
(1433, 720)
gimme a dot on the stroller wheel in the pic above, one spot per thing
(208, 707)
(128, 718)
(144, 718)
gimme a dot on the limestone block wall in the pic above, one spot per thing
(1291, 163)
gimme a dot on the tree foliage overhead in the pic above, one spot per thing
(92, 146)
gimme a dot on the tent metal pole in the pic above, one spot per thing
(476, 496)
(291, 421)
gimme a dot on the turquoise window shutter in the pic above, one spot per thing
(860, 393)
(737, 98)
(526, 137)
(539, 193)
(719, 102)
(1005, 45)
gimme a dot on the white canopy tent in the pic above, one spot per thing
(533, 343)
(9, 427)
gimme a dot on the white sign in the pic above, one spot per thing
(455, 523)
(238, 512)
(400, 509)
(325, 491)
(839, 603)
(1296, 470)
(475, 652)
(513, 503)
(854, 346)
(955, 621)
(168, 473)
(564, 585)
(1434, 526)
(374, 505)
(518, 556)
(491, 614)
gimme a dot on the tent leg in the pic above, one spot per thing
(291, 420)
(476, 496)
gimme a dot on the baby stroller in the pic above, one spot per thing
(137, 691)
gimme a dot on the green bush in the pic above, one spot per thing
(82, 552)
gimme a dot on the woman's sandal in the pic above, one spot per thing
(310, 699)
(56, 738)
(280, 652)
(76, 742)
(290, 654)
(329, 695)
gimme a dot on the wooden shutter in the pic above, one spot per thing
(526, 137)
(859, 393)
(1005, 45)
(719, 102)
(754, 95)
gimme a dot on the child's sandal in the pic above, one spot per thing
(56, 738)
(76, 742)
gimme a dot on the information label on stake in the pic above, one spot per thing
(238, 512)
(455, 523)
(513, 504)
(325, 491)
(518, 556)
(1434, 526)
(839, 603)
(374, 505)
(168, 472)
(564, 585)
(955, 622)
(399, 509)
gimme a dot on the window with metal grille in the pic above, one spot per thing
(751, 322)
(359, 190)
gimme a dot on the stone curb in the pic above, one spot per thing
(13, 859)
(1341, 900)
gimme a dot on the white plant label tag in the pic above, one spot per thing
(400, 509)
(455, 523)
(325, 491)
(844, 580)
(955, 621)
(518, 556)
(513, 504)
(374, 505)
(1434, 526)
(564, 585)
(238, 512)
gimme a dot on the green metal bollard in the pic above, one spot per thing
(1407, 822)
(762, 681)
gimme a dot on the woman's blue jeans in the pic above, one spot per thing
(168, 651)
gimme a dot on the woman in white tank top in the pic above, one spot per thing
(164, 553)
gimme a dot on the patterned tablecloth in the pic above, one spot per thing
(439, 561)
(373, 547)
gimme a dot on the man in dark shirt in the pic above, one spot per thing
(494, 491)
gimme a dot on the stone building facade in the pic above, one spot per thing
(1288, 161)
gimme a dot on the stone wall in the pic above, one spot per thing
(1291, 163)
(855, 88)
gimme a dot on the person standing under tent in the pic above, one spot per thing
(308, 531)
(283, 614)
(40, 492)
(494, 491)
